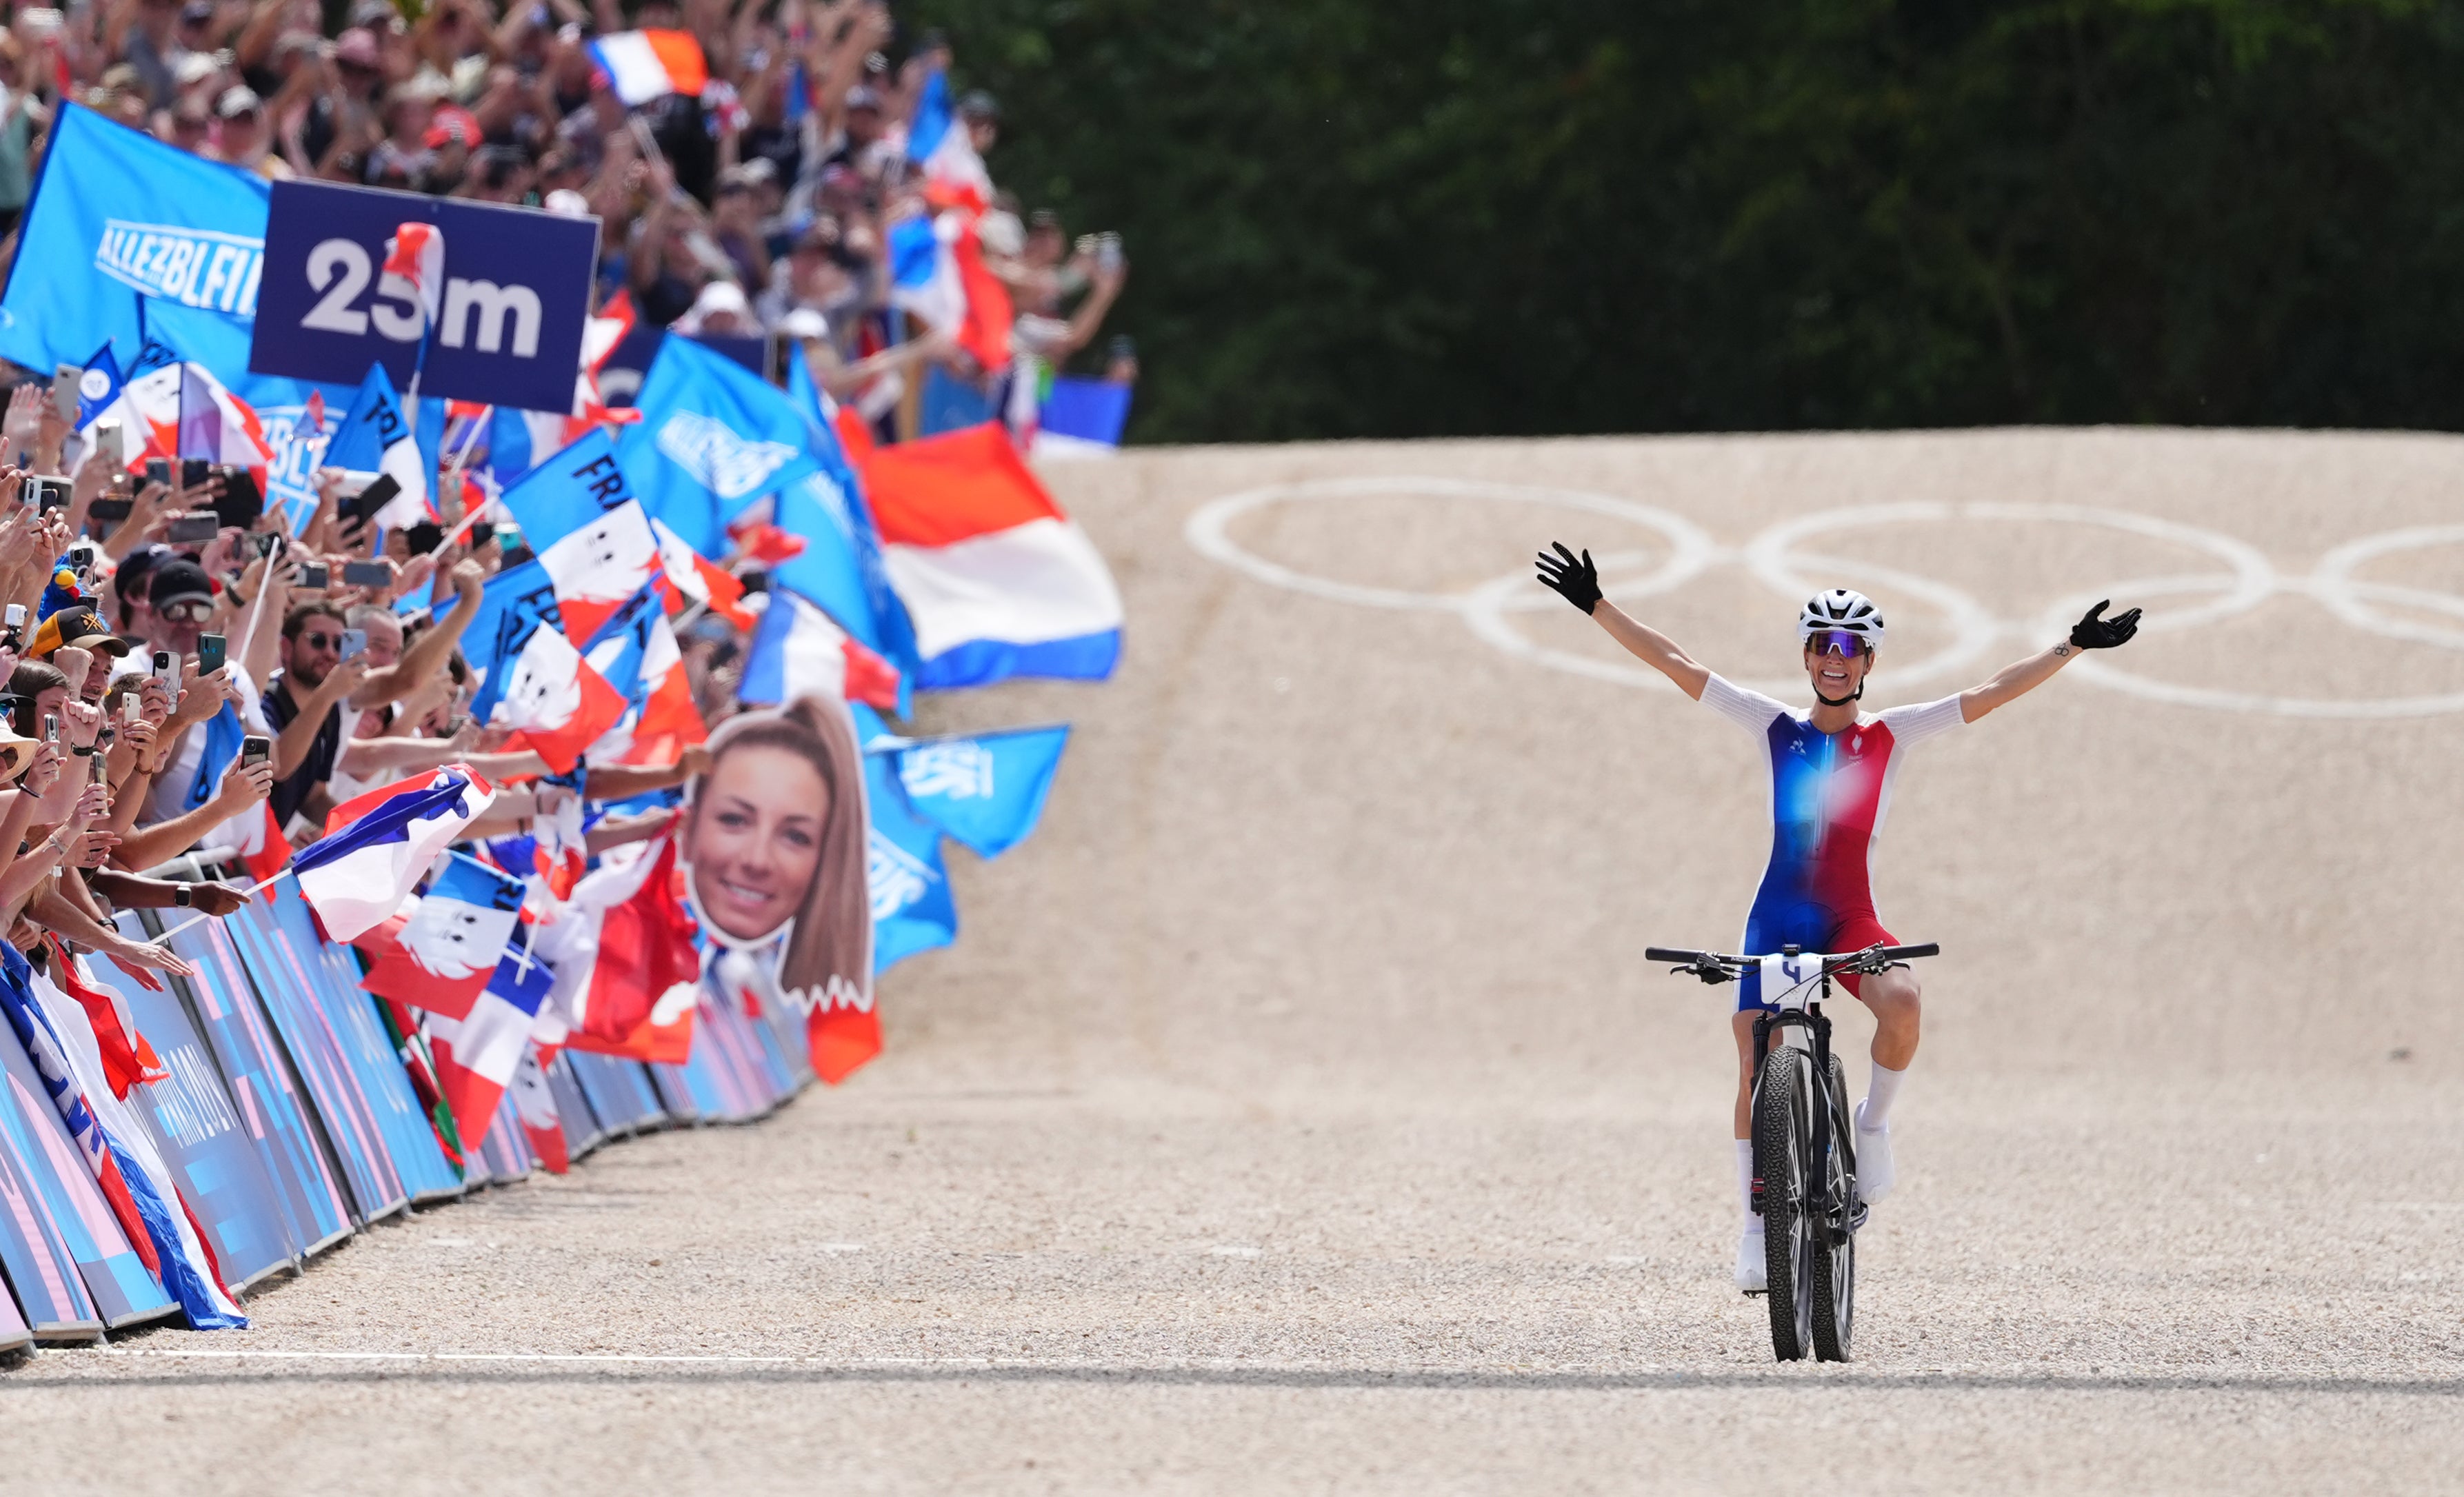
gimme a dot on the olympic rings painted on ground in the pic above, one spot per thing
(2246, 579)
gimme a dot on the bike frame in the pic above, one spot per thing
(1798, 1010)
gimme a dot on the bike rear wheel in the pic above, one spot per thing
(1783, 1159)
(1835, 1263)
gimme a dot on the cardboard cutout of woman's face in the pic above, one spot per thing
(754, 841)
(774, 847)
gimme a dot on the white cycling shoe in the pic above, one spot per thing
(1753, 1265)
(1875, 1174)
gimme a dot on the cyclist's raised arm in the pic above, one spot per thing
(2022, 676)
(1576, 580)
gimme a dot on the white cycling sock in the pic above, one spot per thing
(1746, 1185)
(1877, 1097)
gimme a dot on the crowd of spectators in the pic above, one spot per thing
(759, 208)
(161, 696)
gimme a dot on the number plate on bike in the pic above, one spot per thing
(1790, 982)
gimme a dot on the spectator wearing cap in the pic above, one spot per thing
(196, 31)
(720, 311)
(128, 587)
(981, 113)
(452, 134)
(404, 158)
(79, 627)
(736, 223)
(243, 140)
(864, 145)
(180, 602)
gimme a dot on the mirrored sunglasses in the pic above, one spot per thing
(1837, 641)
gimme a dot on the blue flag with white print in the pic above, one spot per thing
(840, 567)
(116, 216)
(713, 437)
(911, 908)
(986, 791)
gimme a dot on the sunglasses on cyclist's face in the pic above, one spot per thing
(1836, 642)
(187, 610)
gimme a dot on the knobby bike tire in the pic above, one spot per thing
(1835, 1268)
(1783, 1137)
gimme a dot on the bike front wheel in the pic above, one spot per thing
(1834, 1278)
(1783, 1160)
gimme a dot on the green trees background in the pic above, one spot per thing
(1348, 218)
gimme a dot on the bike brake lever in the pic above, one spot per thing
(1711, 972)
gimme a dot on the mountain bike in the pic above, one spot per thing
(1805, 1145)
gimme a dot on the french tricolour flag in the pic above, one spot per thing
(478, 1054)
(642, 66)
(798, 650)
(938, 141)
(996, 578)
(625, 960)
(446, 949)
(182, 410)
(536, 1101)
(377, 847)
(937, 273)
(591, 535)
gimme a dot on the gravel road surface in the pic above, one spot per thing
(1296, 1112)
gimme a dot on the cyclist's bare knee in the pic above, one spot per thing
(1895, 995)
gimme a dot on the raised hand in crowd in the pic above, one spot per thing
(245, 784)
(73, 663)
(23, 422)
(153, 701)
(42, 769)
(150, 513)
(80, 723)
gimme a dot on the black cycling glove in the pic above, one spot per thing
(2095, 634)
(1578, 583)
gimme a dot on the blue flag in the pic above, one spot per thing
(986, 791)
(223, 734)
(713, 438)
(622, 645)
(98, 388)
(840, 567)
(372, 423)
(117, 215)
(911, 908)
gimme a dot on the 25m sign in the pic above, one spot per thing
(508, 332)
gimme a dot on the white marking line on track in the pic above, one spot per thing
(2028, 1372)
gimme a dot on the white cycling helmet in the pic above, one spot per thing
(1841, 609)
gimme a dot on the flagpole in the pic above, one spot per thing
(246, 893)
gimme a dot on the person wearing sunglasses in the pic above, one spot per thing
(1832, 768)
(306, 703)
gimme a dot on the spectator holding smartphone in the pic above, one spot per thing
(307, 704)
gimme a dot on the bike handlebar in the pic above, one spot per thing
(1832, 963)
